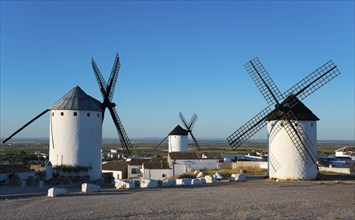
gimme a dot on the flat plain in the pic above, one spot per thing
(256, 198)
(145, 146)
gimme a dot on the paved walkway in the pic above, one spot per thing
(11, 192)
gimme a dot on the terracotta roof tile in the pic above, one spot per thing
(157, 163)
(135, 161)
(115, 165)
(195, 155)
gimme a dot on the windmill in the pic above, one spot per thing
(281, 114)
(107, 90)
(178, 136)
(75, 132)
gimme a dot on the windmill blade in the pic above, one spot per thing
(125, 142)
(276, 127)
(264, 82)
(274, 165)
(28, 123)
(107, 91)
(102, 85)
(193, 138)
(184, 120)
(249, 129)
(100, 80)
(299, 138)
(313, 82)
(159, 143)
(192, 121)
(110, 89)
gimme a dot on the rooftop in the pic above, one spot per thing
(178, 130)
(301, 112)
(195, 155)
(77, 99)
(137, 162)
(157, 163)
(115, 165)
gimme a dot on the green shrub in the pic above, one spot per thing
(187, 175)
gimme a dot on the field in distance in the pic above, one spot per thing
(144, 147)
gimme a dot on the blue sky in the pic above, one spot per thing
(175, 56)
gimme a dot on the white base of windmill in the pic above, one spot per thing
(76, 140)
(285, 162)
(178, 143)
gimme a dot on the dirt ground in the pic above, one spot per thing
(256, 198)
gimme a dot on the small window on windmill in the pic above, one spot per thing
(88, 114)
(52, 113)
(62, 114)
(98, 114)
(163, 175)
(282, 124)
(311, 124)
(75, 113)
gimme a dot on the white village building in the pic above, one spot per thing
(345, 151)
(76, 132)
(182, 162)
(134, 167)
(118, 169)
(157, 169)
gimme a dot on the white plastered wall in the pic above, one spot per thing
(157, 174)
(178, 143)
(185, 165)
(285, 162)
(76, 140)
(117, 175)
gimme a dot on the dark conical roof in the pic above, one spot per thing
(301, 112)
(178, 130)
(77, 99)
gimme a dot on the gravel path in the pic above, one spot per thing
(254, 199)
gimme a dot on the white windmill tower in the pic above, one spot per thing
(178, 141)
(291, 125)
(178, 137)
(76, 125)
(282, 150)
(76, 132)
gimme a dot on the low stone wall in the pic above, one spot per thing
(345, 170)
(240, 164)
(257, 164)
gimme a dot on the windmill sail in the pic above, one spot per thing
(107, 91)
(250, 128)
(159, 143)
(189, 127)
(313, 81)
(263, 81)
(24, 126)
